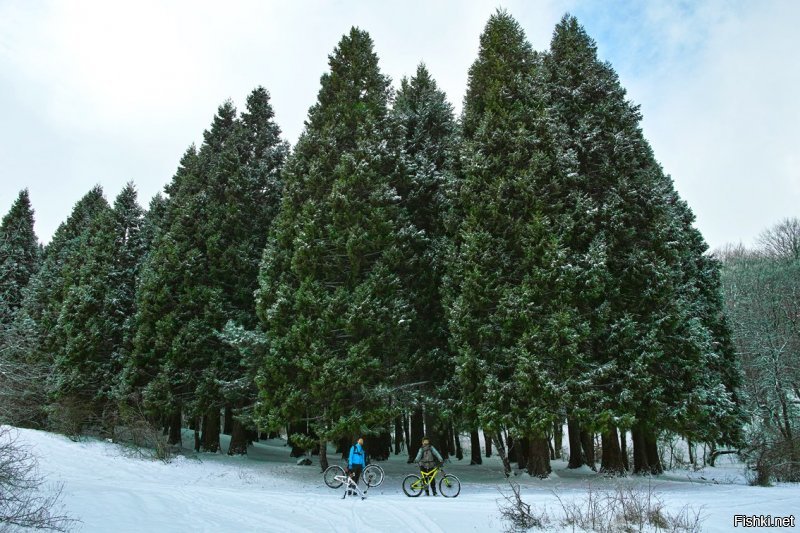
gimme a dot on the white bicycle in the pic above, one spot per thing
(351, 488)
(372, 475)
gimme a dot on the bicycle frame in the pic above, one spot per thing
(350, 485)
(428, 477)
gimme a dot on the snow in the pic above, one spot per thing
(108, 490)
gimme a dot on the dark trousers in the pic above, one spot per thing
(356, 472)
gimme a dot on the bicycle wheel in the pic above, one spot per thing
(412, 485)
(449, 486)
(330, 476)
(372, 475)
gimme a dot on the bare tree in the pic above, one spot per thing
(762, 300)
(23, 392)
(782, 241)
(25, 500)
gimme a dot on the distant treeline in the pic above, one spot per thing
(399, 271)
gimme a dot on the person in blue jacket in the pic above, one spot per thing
(357, 460)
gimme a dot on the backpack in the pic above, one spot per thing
(428, 460)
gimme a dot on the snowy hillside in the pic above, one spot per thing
(266, 491)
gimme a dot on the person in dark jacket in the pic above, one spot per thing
(357, 460)
(428, 458)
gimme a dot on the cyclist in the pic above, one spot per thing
(428, 458)
(357, 460)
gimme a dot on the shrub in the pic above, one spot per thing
(25, 501)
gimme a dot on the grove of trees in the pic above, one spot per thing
(402, 271)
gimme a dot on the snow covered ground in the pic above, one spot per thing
(266, 491)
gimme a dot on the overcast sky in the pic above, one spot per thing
(105, 92)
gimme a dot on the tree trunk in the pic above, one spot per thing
(323, 454)
(576, 456)
(210, 438)
(379, 447)
(501, 451)
(587, 443)
(640, 464)
(175, 427)
(239, 439)
(196, 423)
(488, 440)
(343, 447)
(459, 451)
(511, 448)
(558, 438)
(406, 429)
(475, 448)
(623, 449)
(417, 432)
(523, 447)
(451, 439)
(690, 447)
(538, 457)
(227, 429)
(611, 462)
(398, 435)
(651, 448)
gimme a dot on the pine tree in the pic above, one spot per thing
(93, 334)
(636, 256)
(202, 271)
(19, 255)
(429, 143)
(43, 299)
(21, 392)
(247, 203)
(332, 297)
(61, 258)
(169, 333)
(506, 277)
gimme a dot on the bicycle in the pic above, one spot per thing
(449, 485)
(372, 475)
(351, 487)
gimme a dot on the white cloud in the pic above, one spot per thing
(106, 92)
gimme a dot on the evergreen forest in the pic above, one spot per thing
(523, 276)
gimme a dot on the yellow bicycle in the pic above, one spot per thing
(449, 485)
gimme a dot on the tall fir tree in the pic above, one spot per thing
(332, 296)
(428, 150)
(509, 324)
(632, 247)
(93, 333)
(38, 317)
(202, 270)
(22, 394)
(20, 255)
(48, 289)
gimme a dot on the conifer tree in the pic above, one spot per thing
(332, 297)
(202, 270)
(52, 282)
(429, 143)
(20, 380)
(43, 299)
(635, 254)
(19, 255)
(509, 325)
(93, 334)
